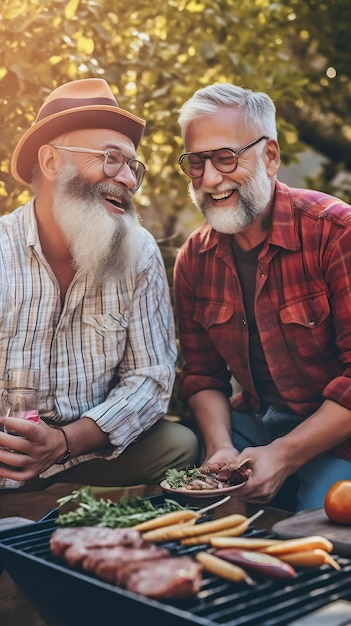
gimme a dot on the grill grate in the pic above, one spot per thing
(25, 553)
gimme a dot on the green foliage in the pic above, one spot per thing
(154, 55)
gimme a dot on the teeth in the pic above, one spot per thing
(113, 199)
(221, 196)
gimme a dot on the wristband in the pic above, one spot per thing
(67, 454)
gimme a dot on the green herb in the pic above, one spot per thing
(99, 512)
(181, 478)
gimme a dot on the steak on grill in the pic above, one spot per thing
(172, 577)
(106, 562)
(122, 557)
(73, 544)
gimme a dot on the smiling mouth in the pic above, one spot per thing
(222, 196)
(116, 202)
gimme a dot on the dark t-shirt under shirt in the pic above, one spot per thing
(246, 263)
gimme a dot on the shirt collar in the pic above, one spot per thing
(30, 225)
(283, 230)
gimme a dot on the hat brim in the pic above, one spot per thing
(25, 154)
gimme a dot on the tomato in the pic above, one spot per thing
(337, 503)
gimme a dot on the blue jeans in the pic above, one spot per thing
(312, 481)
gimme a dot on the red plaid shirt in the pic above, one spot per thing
(302, 306)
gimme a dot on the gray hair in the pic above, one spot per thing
(258, 107)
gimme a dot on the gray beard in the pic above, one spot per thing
(102, 244)
(250, 202)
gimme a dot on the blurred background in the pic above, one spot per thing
(156, 54)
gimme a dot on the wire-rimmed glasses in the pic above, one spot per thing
(113, 162)
(225, 160)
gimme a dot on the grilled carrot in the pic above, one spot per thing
(168, 519)
(309, 558)
(298, 545)
(243, 542)
(231, 531)
(217, 566)
(180, 531)
(167, 533)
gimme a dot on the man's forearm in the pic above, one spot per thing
(212, 413)
(322, 431)
(85, 436)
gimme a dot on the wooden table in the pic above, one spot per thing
(15, 609)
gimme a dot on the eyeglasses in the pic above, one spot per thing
(225, 160)
(113, 162)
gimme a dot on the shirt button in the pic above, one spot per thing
(244, 322)
(311, 323)
(262, 275)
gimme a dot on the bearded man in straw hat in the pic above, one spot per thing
(85, 300)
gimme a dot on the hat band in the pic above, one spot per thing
(61, 105)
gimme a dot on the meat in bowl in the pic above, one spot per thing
(202, 478)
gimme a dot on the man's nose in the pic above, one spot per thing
(126, 177)
(211, 175)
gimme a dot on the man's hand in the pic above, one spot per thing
(33, 449)
(222, 456)
(269, 471)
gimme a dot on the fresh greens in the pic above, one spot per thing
(99, 512)
(181, 478)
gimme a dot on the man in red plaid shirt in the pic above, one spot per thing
(263, 295)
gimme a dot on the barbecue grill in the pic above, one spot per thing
(64, 597)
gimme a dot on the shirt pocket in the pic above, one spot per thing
(106, 336)
(307, 325)
(213, 317)
(209, 314)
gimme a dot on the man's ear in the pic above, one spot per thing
(272, 157)
(48, 161)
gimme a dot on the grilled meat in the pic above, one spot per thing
(122, 557)
(229, 474)
(73, 544)
(208, 477)
(173, 577)
(234, 475)
(106, 562)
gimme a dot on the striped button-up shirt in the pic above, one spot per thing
(302, 306)
(107, 354)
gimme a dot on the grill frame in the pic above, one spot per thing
(65, 597)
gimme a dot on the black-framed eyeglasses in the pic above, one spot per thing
(225, 160)
(113, 162)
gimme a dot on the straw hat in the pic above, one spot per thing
(85, 103)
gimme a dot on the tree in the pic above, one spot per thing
(322, 116)
(154, 55)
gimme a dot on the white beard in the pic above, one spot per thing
(250, 202)
(102, 244)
